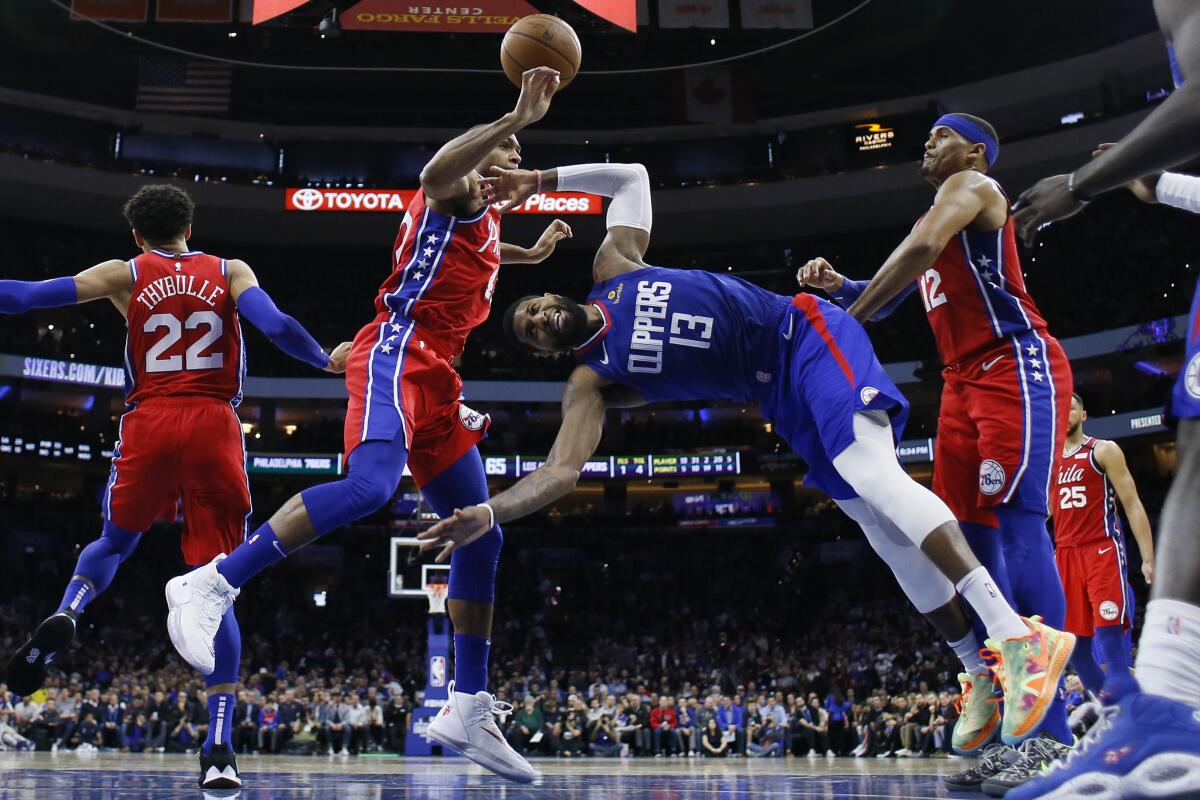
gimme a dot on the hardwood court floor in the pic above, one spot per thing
(116, 776)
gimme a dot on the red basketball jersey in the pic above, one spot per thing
(975, 293)
(444, 272)
(1084, 504)
(184, 337)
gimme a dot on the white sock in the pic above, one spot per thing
(980, 592)
(1169, 651)
(967, 649)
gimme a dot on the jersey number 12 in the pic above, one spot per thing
(931, 283)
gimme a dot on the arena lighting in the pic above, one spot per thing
(1072, 118)
(329, 27)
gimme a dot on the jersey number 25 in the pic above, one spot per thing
(1072, 496)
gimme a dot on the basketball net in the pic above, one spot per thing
(437, 594)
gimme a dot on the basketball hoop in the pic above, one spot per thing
(437, 594)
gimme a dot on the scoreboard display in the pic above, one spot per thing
(699, 464)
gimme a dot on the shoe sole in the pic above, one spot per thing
(994, 790)
(52, 635)
(175, 631)
(461, 748)
(222, 783)
(1054, 672)
(979, 742)
(958, 786)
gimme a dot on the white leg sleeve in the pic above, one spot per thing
(926, 587)
(627, 184)
(871, 468)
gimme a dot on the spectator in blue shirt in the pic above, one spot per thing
(839, 707)
(731, 719)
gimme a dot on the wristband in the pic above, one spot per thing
(491, 514)
(1079, 196)
(537, 174)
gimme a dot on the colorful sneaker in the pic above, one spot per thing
(1028, 670)
(1145, 746)
(995, 759)
(27, 669)
(1036, 755)
(978, 713)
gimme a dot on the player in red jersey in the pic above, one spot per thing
(1091, 476)
(1007, 392)
(181, 438)
(406, 407)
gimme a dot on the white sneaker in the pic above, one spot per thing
(467, 726)
(196, 603)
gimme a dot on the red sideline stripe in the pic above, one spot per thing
(808, 304)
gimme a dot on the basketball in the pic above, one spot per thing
(540, 40)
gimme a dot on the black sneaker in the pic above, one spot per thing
(218, 769)
(1036, 755)
(27, 669)
(994, 759)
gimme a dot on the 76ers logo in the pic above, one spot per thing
(991, 478)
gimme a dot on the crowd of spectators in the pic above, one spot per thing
(821, 658)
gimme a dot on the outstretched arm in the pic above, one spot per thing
(1169, 136)
(109, 279)
(555, 232)
(630, 214)
(959, 201)
(446, 175)
(1112, 461)
(820, 274)
(285, 332)
(583, 407)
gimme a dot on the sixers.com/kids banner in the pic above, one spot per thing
(396, 200)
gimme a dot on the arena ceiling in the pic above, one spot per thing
(887, 49)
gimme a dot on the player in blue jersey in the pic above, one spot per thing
(1148, 745)
(649, 334)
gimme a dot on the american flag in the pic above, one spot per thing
(182, 86)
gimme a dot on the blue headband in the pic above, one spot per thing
(972, 133)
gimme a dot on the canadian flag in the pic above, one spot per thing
(709, 92)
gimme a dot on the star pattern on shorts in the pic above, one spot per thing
(1037, 376)
(392, 338)
(418, 275)
(1032, 350)
(988, 275)
(432, 238)
(395, 328)
(422, 264)
(1033, 362)
(385, 348)
(428, 251)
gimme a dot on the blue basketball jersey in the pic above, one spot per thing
(674, 334)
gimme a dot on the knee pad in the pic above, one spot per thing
(923, 583)
(473, 568)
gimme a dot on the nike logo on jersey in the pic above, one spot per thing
(1104, 550)
(988, 365)
(604, 350)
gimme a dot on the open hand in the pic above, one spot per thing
(538, 85)
(1046, 201)
(555, 232)
(453, 532)
(510, 187)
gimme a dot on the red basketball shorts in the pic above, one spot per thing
(399, 384)
(182, 448)
(1094, 579)
(1001, 426)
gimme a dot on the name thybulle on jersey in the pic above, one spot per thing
(160, 289)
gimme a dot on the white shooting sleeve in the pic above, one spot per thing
(627, 184)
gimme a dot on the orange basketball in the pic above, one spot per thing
(540, 40)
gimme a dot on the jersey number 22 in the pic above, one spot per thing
(192, 358)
